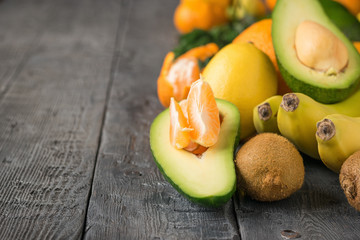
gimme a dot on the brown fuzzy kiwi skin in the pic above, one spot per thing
(269, 168)
(350, 179)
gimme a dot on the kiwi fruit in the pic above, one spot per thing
(269, 168)
(350, 179)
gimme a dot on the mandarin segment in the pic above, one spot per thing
(203, 114)
(179, 130)
(183, 105)
(193, 147)
(199, 150)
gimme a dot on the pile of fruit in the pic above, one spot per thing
(278, 77)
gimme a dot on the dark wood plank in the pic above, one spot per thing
(130, 198)
(19, 36)
(51, 115)
(319, 210)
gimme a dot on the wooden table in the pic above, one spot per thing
(77, 97)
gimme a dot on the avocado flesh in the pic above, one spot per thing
(209, 180)
(287, 16)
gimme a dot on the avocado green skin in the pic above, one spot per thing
(213, 201)
(323, 95)
(342, 18)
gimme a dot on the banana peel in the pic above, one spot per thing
(337, 138)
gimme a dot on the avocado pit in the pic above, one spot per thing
(320, 49)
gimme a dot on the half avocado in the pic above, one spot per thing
(210, 179)
(313, 55)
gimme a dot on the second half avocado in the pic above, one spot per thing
(314, 56)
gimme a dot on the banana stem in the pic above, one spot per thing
(325, 129)
(264, 111)
(290, 102)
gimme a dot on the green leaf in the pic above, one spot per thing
(342, 18)
(220, 35)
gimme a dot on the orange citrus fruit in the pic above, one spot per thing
(352, 5)
(270, 4)
(259, 34)
(357, 46)
(201, 14)
(203, 114)
(179, 131)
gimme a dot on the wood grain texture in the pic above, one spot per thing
(319, 210)
(19, 36)
(130, 198)
(51, 113)
(64, 66)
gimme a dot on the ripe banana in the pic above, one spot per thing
(298, 115)
(338, 136)
(265, 115)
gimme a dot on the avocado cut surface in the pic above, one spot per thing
(209, 180)
(321, 86)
